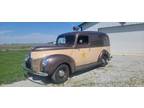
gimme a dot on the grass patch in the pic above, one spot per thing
(10, 66)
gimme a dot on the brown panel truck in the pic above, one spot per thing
(73, 51)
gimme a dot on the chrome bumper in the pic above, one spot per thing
(27, 70)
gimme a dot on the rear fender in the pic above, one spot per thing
(104, 53)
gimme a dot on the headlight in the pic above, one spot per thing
(45, 62)
(27, 57)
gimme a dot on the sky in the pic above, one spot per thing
(33, 32)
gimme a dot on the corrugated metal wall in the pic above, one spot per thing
(127, 39)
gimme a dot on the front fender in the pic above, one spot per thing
(55, 60)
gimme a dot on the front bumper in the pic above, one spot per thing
(27, 70)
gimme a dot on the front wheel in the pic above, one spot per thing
(61, 74)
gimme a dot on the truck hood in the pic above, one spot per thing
(47, 47)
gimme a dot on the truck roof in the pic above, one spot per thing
(85, 33)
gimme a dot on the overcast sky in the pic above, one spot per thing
(26, 32)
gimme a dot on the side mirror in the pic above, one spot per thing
(76, 28)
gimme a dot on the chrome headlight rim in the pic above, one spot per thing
(27, 57)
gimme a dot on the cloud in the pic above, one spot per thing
(3, 32)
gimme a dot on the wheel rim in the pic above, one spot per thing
(61, 73)
(103, 61)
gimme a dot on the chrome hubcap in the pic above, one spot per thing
(61, 73)
(103, 61)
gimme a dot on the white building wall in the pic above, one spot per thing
(123, 42)
(108, 24)
(127, 42)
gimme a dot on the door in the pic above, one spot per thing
(81, 52)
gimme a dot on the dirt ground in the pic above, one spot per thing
(122, 71)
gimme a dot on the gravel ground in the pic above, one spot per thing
(122, 71)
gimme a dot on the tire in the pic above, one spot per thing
(103, 61)
(61, 74)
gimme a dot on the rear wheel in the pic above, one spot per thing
(103, 61)
(61, 74)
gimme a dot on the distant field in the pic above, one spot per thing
(14, 47)
(11, 58)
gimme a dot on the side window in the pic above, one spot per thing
(97, 41)
(61, 41)
(82, 40)
(106, 41)
(100, 41)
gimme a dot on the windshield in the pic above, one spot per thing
(65, 40)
